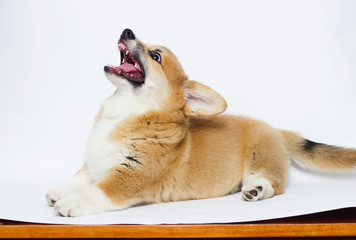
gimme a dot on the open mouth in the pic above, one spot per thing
(130, 67)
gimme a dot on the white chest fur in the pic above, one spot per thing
(102, 153)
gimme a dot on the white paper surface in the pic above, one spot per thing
(306, 193)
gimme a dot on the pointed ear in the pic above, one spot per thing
(201, 100)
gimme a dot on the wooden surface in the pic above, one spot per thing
(337, 223)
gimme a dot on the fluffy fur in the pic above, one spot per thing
(163, 140)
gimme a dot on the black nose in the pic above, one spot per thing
(128, 34)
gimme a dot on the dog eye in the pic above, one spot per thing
(156, 56)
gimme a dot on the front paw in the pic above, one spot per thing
(53, 196)
(84, 203)
(56, 194)
(70, 206)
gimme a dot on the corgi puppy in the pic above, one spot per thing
(160, 138)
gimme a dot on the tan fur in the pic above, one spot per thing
(157, 142)
(322, 157)
(184, 152)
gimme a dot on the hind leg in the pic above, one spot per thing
(266, 169)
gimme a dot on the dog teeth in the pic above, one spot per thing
(136, 66)
(127, 52)
(123, 61)
(131, 75)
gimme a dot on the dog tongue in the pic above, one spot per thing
(130, 69)
(127, 67)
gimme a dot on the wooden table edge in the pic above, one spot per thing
(179, 231)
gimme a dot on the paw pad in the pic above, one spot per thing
(252, 195)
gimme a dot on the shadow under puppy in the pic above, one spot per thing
(160, 138)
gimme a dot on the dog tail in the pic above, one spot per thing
(318, 156)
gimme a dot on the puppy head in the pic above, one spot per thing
(154, 72)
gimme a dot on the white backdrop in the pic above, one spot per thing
(290, 63)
